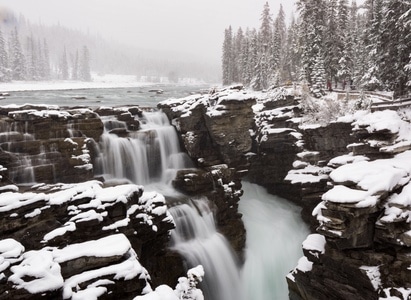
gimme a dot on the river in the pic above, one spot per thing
(275, 230)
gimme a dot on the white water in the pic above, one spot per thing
(275, 233)
(198, 241)
(148, 156)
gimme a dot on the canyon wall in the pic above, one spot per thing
(350, 177)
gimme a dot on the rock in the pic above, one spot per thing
(88, 235)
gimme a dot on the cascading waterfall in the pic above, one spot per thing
(274, 228)
(198, 241)
(149, 155)
(153, 155)
(274, 236)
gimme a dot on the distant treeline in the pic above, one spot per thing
(30, 60)
(330, 42)
(66, 53)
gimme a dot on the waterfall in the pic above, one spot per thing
(275, 233)
(198, 241)
(149, 155)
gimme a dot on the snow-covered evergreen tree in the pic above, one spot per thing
(395, 43)
(227, 56)
(46, 60)
(318, 75)
(85, 72)
(263, 68)
(292, 52)
(372, 76)
(312, 32)
(17, 59)
(64, 70)
(237, 55)
(278, 48)
(75, 69)
(4, 60)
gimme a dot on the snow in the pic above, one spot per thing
(98, 81)
(126, 270)
(346, 159)
(114, 245)
(343, 194)
(404, 292)
(370, 178)
(373, 273)
(162, 292)
(69, 226)
(10, 249)
(41, 271)
(315, 242)
(11, 200)
(304, 265)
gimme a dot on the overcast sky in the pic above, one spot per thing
(189, 26)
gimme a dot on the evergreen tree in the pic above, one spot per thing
(46, 60)
(32, 59)
(4, 60)
(372, 77)
(318, 75)
(237, 57)
(262, 69)
(312, 32)
(278, 48)
(85, 72)
(64, 72)
(74, 74)
(245, 56)
(227, 57)
(395, 45)
(292, 53)
(253, 56)
(18, 66)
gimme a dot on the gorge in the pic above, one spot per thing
(118, 180)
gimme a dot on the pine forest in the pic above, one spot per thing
(330, 44)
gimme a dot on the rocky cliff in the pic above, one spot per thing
(350, 176)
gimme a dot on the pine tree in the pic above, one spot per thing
(262, 69)
(4, 61)
(18, 66)
(354, 43)
(278, 48)
(236, 59)
(395, 45)
(372, 36)
(253, 56)
(74, 74)
(292, 53)
(85, 72)
(312, 33)
(46, 60)
(227, 56)
(318, 75)
(32, 59)
(64, 72)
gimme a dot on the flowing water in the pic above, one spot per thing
(197, 240)
(275, 233)
(151, 157)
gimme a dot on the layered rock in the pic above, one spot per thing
(78, 240)
(363, 217)
(215, 131)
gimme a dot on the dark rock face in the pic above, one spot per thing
(360, 214)
(365, 243)
(214, 130)
(87, 234)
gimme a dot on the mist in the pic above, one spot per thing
(142, 37)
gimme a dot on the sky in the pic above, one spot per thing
(194, 27)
